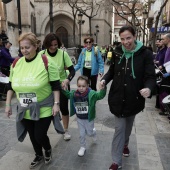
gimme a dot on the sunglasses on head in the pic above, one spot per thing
(88, 42)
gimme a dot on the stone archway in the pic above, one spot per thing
(62, 33)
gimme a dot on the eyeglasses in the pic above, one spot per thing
(88, 42)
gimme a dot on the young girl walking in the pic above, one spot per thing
(82, 103)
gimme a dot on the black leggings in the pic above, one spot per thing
(92, 79)
(38, 133)
(64, 104)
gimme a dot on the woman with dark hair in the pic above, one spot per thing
(52, 46)
(90, 62)
(6, 58)
(133, 74)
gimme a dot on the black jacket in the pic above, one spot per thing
(124, 98)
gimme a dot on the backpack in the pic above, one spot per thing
(44, 58)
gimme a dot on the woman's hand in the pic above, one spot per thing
(145, 92)
(55, 109)
(8, 111)
(101, 84)
(101, 75)
(65, 84)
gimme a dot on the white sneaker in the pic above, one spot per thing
(67, 136)
(81, 152)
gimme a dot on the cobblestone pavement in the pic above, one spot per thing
(149, 143)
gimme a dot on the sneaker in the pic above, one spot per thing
(37, 160)
(81, 152)
(126, 151)
(67, 135)
(48, 156)
(114, 167)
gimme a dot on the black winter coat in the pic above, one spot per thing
(124, 98)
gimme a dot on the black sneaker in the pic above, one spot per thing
(37, 160)
(48, 156)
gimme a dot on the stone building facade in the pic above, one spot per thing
(35, 18)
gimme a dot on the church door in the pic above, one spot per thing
(62, 33)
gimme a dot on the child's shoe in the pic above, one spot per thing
(81, 152)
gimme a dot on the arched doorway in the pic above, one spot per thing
(62, 33)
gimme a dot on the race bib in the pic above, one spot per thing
(27, 98)
(88, 64)
(81, 107)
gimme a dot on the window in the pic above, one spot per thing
(121, 22)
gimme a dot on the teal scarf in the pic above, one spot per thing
(129, 54)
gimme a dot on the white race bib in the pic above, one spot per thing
(81, 107)
(26, 98)
(87, 64)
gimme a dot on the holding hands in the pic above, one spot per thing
(65, 84)
(101, 85)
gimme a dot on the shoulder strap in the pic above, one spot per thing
(15, 61)
(45, 60)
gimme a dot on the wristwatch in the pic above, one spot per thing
(57, 103)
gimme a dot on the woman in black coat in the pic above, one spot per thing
(133, 74)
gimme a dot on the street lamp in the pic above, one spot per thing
(80, 22)
(51, 14)
(110, 36)
(97, 31)
(145, 15)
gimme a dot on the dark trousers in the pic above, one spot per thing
(5, 70)
(92, 79)
(38, 133)
(64, 104)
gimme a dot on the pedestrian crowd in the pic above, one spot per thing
(162, 66)
(41, 81)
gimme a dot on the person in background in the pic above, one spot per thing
(3, 36)
(39, 45)
(109, 54)
(103, 52)
(133, 79)
(82, 103)
(159, 61)
(63, 48)
(90, 62)
(164, 90)
(52, 44)
(6, 58)
(38, 92)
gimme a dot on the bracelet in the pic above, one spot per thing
(57, 103)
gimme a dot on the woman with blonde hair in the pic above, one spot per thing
(37, 87)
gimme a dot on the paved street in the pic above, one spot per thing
(149, 142)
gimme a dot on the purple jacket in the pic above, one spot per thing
(6, 58)
(167, 55)
(161, 56)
